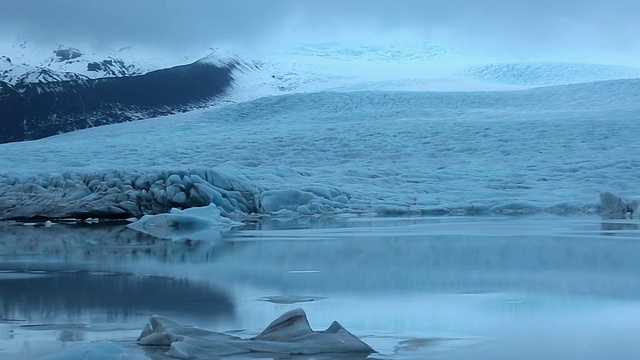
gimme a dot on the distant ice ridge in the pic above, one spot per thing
(549, 73)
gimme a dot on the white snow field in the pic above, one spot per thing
(548, 149)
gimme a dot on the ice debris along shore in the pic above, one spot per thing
(124, 194)
(289, 334)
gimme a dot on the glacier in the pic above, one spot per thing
(547, 149)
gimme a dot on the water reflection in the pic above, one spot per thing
(427, 286)
(54, 295)
(95, 244)
(454, 255)
(617, 228)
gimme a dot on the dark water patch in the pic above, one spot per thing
(114, 295)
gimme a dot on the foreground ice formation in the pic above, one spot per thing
(616, 207)
(290, 334)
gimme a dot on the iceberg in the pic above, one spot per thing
(289, 334)
(198, 223)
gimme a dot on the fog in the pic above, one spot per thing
(547, 25)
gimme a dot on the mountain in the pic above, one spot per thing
(47, 92)
(36, 110)
(28, 65)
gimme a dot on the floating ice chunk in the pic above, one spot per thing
(289, 334)
(616, 207)
(199, 223)
(96, 351)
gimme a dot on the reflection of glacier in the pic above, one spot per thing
(547, 149)
(464, 255)
(92, 243)
(413, 260)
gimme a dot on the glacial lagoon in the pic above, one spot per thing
(447, 287)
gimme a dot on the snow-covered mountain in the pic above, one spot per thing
(37, 110)
(24, 65)
(69, 89)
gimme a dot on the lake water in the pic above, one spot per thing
(489, 287)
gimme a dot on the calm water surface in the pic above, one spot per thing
(539, 287)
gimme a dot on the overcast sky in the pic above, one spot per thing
(182, 24)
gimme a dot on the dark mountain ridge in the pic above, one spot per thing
(36, 110)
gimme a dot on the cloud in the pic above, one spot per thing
(180, 24)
